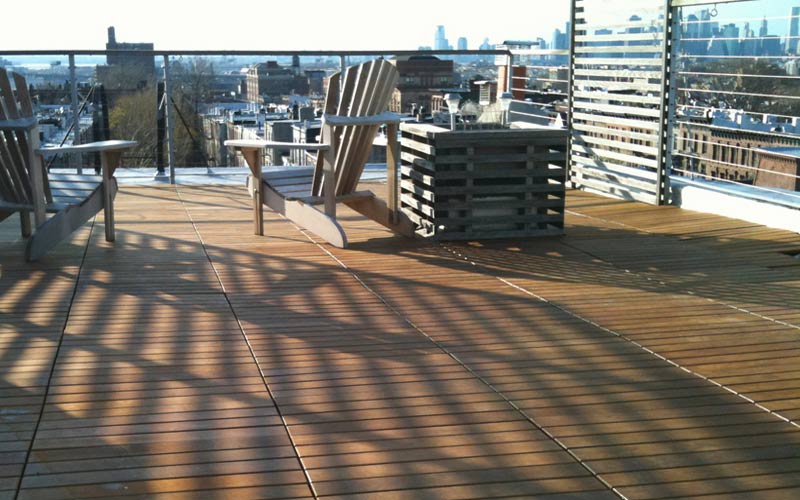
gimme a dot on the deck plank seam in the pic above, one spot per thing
(650, 351)
(616, 223)
(663, 283)
(253, 354)
(746, 311)
(54, 363)
(453, 356)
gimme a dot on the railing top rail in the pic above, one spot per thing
(226, 53)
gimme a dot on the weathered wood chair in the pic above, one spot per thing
(26, 187)
(355, 108)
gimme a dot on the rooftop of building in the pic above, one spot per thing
(790, 152)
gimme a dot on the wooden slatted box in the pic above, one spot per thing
(480, 183)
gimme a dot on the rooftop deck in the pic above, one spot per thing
(649, 353)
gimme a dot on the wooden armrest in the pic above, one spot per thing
(257, 144)
(18, 124)
(91, 147)
(380, 119)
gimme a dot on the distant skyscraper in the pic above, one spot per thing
(693, 45)
(440, 42)
(462, 43)
(542, 43)
(763, 32)
(560, 40)
(794, 32)
(706, 25)
(725, 41)
(486, 45)
(771, 46)
(555, 42)
(749, 43)
(692, 29)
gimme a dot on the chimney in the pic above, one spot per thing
(112, 37)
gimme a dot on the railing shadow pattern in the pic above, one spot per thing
(155, 390)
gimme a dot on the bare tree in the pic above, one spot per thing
(133, 114)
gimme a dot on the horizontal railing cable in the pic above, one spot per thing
(734, 182)
(749, 58)
(737, 75)
(748, 113)
(734, 165)
(730, 146)
(737, 20)
(743, 94)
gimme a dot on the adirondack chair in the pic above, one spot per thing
(25, 186)
(355, 108)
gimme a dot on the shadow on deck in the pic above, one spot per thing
(649, 353)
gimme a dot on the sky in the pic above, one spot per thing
(777, 11)
(265, 25)
(280, 25)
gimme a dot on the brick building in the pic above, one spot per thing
(778, 167)
(269, 80)
(735, 154)
(421, 77)
(126, 70)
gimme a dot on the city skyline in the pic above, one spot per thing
(320, 25)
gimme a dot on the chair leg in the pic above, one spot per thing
(25, 223)
(108, 215)
(109, 160)
(258, 206)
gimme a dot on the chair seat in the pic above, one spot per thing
(66, 190)
(353, 112)
(71, 189)
(292, 183)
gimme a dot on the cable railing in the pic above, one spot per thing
(164, 99)
(732, 103)
(736, 108)
(539, 86)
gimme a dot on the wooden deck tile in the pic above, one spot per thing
(310, 320)
(420, 371)
(567, 315)
(154, 389)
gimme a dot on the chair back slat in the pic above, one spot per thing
(10, 106)
(366, 90)
(348, 87)
(7, 184)
(331, 102)
(14, 144)
(345, 108)
(349, 135)
(23, 96)
(374, 101)
(7, 192)
(26, 111)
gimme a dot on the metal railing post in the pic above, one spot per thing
(170, 121)
(160, 129)
(76, 113)
(509, 72)
(667, 111)
(570, 91)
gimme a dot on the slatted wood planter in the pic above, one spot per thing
(483, 183)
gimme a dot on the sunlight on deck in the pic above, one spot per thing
(649, 353)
